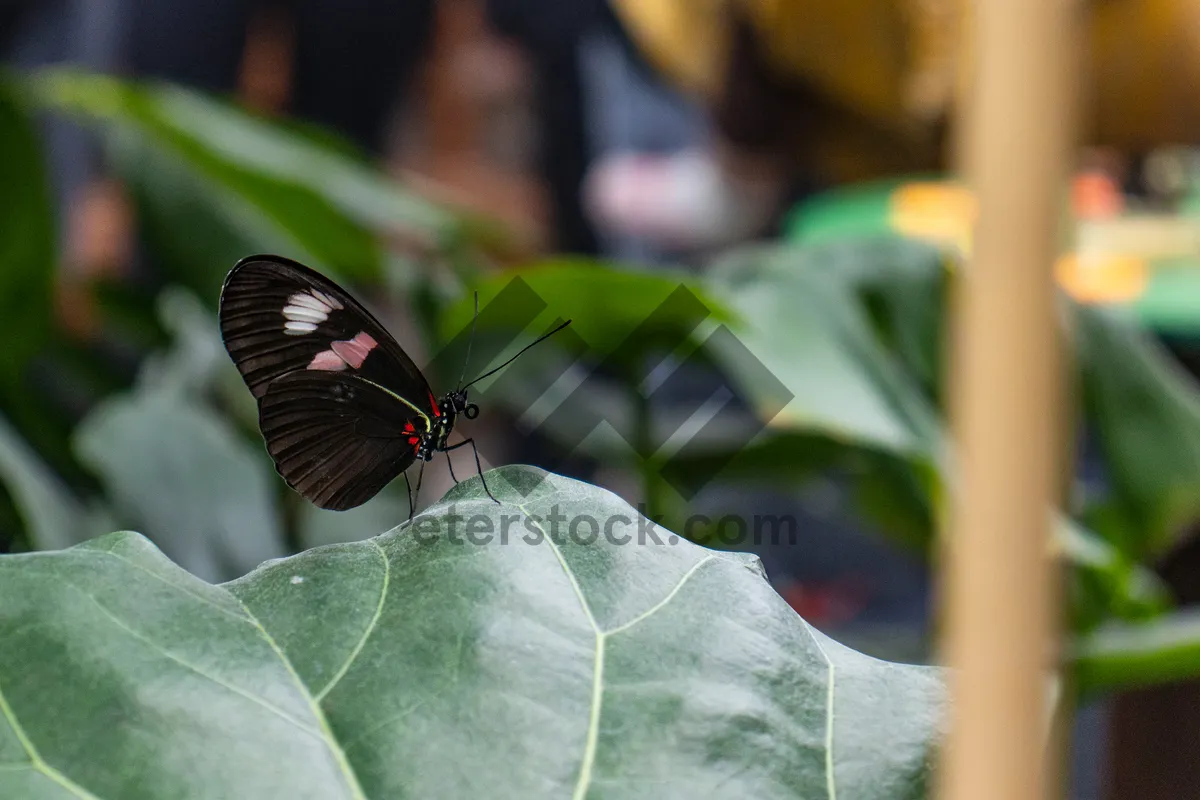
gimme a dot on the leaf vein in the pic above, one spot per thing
(562, 562)
(177, 587)
(370, 629)
(35, 758)
(661, 603)
(141, 637)
(326, 734)
(593, 730)
(830, 777)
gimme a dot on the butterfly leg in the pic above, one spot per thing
(478, 466)
(420, 474)
(412, 507)
(450, 464)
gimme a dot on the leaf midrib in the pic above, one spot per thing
(583, 783)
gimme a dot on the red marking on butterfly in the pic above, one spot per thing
(411, 431)
(351, 353)
(437, 412)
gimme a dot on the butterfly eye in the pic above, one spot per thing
(471, 411)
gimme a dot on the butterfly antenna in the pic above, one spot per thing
(470, 342)
(520, 352)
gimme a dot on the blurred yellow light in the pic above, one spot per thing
(1102, 277)
(943, 213)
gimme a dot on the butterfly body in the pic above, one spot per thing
(449, 408)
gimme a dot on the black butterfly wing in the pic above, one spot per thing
(278, 316)
(335, 437)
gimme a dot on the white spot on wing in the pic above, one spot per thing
(306, 300)
(309, 307)
(294, 328)
(304, 314)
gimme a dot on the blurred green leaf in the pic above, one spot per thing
(176, 471)
(53, 516)
(318, 527)
(1124, 655)
(287, 163)
(196, 358)
(417, 665)
(622, 322)
(1105, 584)
(854, 328)
(218, 184)
(28, 252)
(1147, 413)
(27, 241)
(198, 226)
(800, 314)
(605, 303)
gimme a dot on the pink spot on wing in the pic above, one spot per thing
(355, 351)
(327, 360)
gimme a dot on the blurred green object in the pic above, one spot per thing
(1122, 656)
(53, 517)
(850, 211)
(28, 251)
(214, 183)
(410, 665)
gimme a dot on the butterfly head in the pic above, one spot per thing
(456, 403)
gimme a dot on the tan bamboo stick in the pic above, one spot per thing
(999, 591)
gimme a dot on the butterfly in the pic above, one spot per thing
(342, 408)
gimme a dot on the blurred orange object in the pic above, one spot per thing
(1095, 195)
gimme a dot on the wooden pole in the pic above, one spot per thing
(999, 590)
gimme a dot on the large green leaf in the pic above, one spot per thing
(418, 664)
(316, 526)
